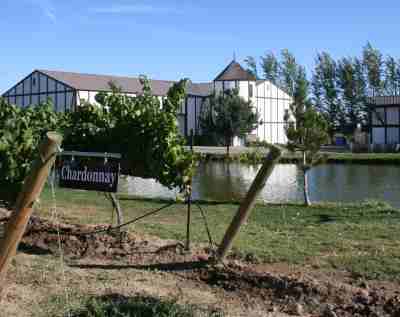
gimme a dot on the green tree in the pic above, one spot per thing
(270, 67)
(279, 71)
(251, 66)
(325, 92)
(392, 76)
(140, 128)
(228, 115)
(306, 129)
(373, 63)
(351, 82)
(288, 69)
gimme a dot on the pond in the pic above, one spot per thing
(330, 182)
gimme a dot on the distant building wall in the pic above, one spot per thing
(271, 103)
(385, 124)
(37, 88)
(267, 100)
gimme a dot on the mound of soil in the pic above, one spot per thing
(81, 242)
(302, 296)
(296, 294)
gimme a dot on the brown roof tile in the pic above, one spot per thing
(234, 71)
(94, 82)
(200, 89)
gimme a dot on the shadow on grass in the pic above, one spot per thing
(168, 267)
(355, 216)
(114, 305)
(324, 218)
(32, 249)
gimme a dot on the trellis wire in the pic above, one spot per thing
(54, 216)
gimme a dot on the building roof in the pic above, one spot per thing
(200, 89)
(384, 101)
(234, 71)
(94, 82)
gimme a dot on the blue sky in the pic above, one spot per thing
(171, 39)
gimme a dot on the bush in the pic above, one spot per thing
(141, 129)
(21, 130)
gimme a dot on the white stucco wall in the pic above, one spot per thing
(268, 100)
(83, 96)
(271, 104)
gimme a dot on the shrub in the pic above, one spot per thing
(21, 130)
(141, 129)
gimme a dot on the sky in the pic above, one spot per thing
(173, 39)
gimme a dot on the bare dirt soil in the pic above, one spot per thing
(238, 287)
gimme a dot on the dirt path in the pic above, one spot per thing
(137, 264)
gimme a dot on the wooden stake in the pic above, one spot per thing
(247, 204)
(189, 200)
(30, 192)
(118, 209)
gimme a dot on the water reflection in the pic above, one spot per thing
(333, 182)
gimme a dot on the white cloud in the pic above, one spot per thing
(47, 8)
(50, 14)
(135, 9)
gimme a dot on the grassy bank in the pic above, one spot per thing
(255, 156)
(363, 238)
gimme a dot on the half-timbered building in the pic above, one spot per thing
(384, 120)
(68, 90)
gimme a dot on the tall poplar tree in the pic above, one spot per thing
(325, 92)
(251, 65)
(270, 67)
(373, 63)
(392, 76)
(288, 71)
(352, 85)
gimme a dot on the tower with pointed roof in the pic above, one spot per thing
(268, 100)
(234, 76)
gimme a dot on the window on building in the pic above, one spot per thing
(250, 90)
(392, 115)
(378, 116)
(33, 81)
(378, 135)
(392, 135)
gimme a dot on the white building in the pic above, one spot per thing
(69, 90)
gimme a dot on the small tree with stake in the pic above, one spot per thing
(228, 115)
(306, 129)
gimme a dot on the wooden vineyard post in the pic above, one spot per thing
(118, 210)
(30, 192)
(189, 201)
(248, 202)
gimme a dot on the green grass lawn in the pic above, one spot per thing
(363, 238)
(255, 155)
